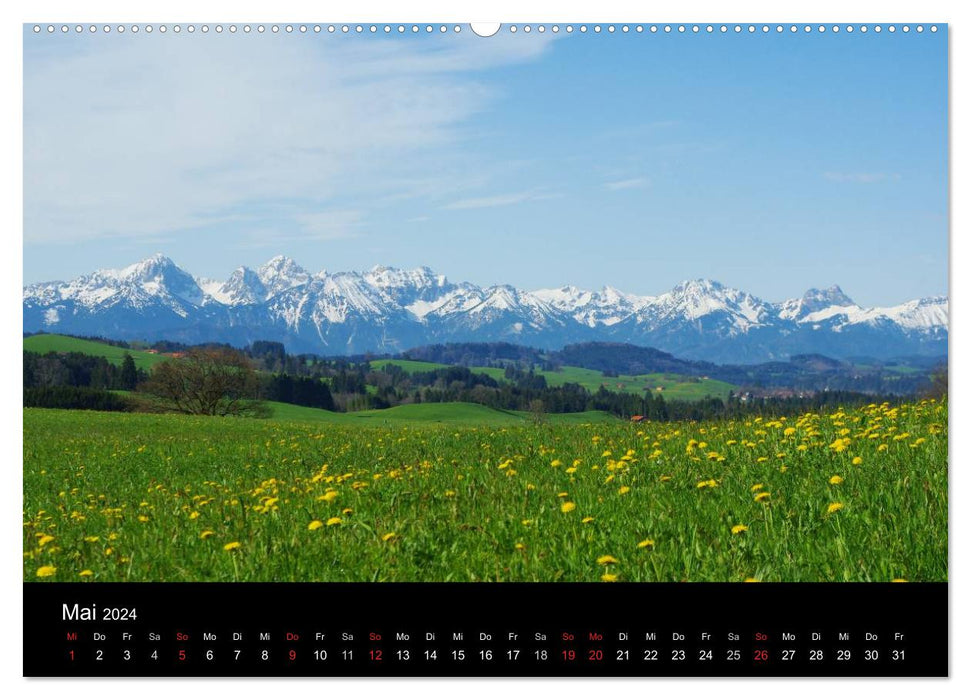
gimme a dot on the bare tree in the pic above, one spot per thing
(207, 381)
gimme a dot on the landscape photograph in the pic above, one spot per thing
(546, 306)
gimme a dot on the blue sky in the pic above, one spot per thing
(768, 162)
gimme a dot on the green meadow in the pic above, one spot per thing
(444, 492)
(671, 386)
(46, 343)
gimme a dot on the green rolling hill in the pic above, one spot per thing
(671, 386)
(62, 343)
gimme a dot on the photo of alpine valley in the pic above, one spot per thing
(627, 360)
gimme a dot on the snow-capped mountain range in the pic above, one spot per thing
(389, 310)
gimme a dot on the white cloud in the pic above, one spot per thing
(628, 184)
(134, 136)
(500, 200)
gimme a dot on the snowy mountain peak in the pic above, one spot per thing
(567, 298)
(383, 276)
(613, 296)
(391, 309)
(817, 301)
(414, 289)
(155, 276)
(698, 286)
(694, 299)
(820, 298)
(149, 268)
(280, 262)
(281, 273)
(244, 286)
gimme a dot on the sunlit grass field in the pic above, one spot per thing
(855, 495)
(50, 342)
(450, 413)
(672, 386)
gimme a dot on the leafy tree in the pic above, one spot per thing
(74, 397)
(214, 381)
(302, 391)
(129, 373)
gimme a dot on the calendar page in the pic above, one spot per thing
(522, 349)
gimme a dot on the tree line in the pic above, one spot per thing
(79, 370)
(211, 380)
(220, 380)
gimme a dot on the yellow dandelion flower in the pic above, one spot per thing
(835, 479)
(665, 477)
(314, 524)
(833, 507)
(346, 511)
(520, 546)
(333, 521)
(527, 523)
(556, 463)
(586, 520)
(645, 544)
(857, 460)
(86, 573)
(567, 507)
(91, 538)
(562, 494)
(193, 515)
(840, 444)
(607, 559)
(388, 536)
(45, 571)
(756, 487)
(206, 534)
(231, 546)
(623, 489)
(899, 580)
(571, 470)
(609, 578)
(143, 518)
(44, 540)
(739, 529)
(763, 496)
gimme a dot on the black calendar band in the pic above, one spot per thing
(564, 629)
